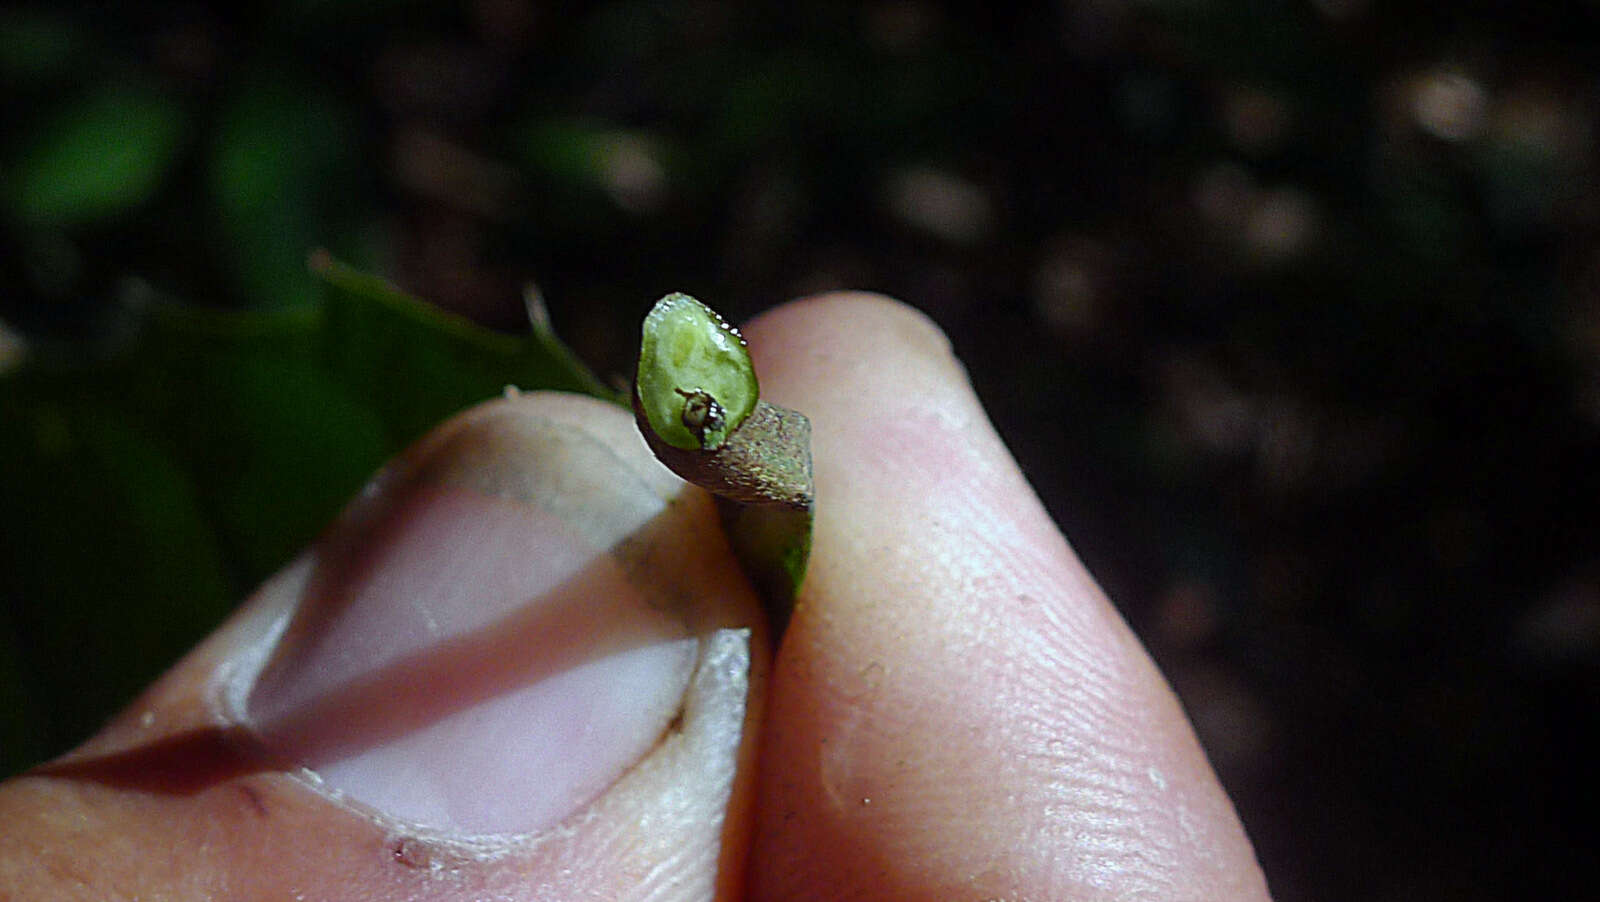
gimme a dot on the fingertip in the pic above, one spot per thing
(201, 794)
(874, 317)
(957, 708)
(837, 336)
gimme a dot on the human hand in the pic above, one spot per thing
(955, 712)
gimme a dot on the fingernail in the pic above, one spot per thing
(469, 653)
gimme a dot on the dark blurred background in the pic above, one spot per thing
(1290, 310)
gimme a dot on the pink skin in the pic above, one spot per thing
(956, 711)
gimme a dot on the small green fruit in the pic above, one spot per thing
(695, 380)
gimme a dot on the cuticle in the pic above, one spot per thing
(236, 679)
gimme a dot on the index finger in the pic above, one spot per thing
(957, 711)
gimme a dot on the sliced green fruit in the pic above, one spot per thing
(695, 380)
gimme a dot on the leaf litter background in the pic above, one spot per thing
(1290, 310)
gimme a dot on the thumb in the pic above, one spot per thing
(520, 665)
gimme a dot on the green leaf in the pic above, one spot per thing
(98, 157)
(415, 364)
(110, 564)
(275, 440)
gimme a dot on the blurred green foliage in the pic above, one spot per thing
(102, 155)
(281, 150)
